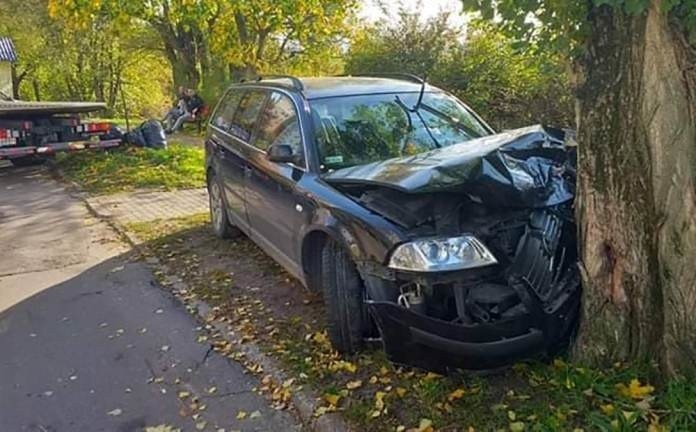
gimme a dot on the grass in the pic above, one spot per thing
(375, 395)
(128, 168)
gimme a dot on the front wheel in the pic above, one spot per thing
(218, 213)
(343, 299)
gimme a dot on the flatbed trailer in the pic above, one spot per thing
(32, 131)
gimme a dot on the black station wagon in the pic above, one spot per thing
(451, 244)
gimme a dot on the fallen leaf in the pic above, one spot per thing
(332, 398)
(634, 389)
(255, 415)
(607, 409)
(517, 427)
(352, 385)
(117, 269)
(201, 425)
(379, 400)
(241, 415)
(400, 391)
(456, 395)
(212, 390)
(425, 425)
(115, 412)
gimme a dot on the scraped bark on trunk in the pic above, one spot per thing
(636, 202)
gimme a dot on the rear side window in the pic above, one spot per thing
(279, 125)
(247, 113)
(223, 115)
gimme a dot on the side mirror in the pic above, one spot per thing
(281, 153)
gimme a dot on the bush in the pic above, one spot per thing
(508, 86)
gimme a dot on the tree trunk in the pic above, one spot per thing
(636, 204)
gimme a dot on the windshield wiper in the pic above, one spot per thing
(415, 111)
(451, 120)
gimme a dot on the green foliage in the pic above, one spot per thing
(178, 167)
(561, 25)
(94, 62)
(212, 41)
(510, 87)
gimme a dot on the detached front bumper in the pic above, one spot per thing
(490, 317)
(418, 340)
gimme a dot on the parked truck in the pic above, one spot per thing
(31, 131)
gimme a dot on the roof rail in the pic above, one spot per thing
(396, 75)
(296, 83)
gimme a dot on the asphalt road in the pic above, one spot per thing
(89, 342)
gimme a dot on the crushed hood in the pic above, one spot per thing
(528, 167)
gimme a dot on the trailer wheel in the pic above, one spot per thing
(218, 212)
(343, 289)
(28, 161)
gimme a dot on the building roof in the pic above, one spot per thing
(7, 50)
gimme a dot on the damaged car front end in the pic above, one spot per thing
(488, 272)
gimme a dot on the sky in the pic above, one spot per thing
(372, 11)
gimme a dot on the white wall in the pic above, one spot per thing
(6, 78)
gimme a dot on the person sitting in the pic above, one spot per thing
(178, 109)
(191, 108)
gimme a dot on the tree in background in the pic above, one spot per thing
(93, 62)
(635, 82)
(509, 87)
(227, 40)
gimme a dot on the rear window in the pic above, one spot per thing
(279, 125)
(247, 114)
(228, 105)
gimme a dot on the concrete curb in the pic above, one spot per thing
(304, 401)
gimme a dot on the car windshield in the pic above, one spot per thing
(355, 130)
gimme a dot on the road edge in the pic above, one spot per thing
(304, 401)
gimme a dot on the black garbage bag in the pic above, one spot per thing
(149, 134)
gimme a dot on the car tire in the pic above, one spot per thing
(218, 211)
(343, 299)
(28, 161)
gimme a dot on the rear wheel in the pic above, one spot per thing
(343, 288)
(218, 212)
(28, 161)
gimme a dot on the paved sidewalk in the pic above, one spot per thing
(148, 205)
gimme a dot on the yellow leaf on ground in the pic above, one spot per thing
(607, 409)
(456, 395)
(352, 385)
(332, 398)
(241, 415)
(517, 427)
(431, 376)
(379, 400)
(400, 391)
(635, 390)
(425, 425)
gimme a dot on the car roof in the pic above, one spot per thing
(322, 87)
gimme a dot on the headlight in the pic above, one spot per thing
(430, 255)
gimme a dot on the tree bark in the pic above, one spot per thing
(636, 204)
